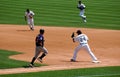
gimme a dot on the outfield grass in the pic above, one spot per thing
(83, 72)
(100, 14)
(6, 63)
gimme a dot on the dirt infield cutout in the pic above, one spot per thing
(105, 44)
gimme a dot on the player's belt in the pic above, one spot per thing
(82, 43)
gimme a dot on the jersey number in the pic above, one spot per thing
(82, 39)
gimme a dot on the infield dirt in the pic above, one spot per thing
(105, 44)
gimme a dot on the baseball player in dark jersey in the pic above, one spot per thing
(39, 48)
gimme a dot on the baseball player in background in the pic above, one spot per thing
(39, 48)
(29, 18)
(83, 43)
(81, 7)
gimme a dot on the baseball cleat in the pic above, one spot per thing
(72, 60)
(96, 61)
(32, 29)
(31, 65)
(85, 21)
(40, 60)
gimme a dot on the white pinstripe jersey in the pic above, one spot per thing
(82, 39)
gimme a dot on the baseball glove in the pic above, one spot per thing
(73, 35)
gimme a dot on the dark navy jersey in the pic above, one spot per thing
(39, 40)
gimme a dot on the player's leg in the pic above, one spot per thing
(45, 52)
(82, 15)
(90, 52)
(75, 53)
(37, 52)
(29, 23)
(32, 24)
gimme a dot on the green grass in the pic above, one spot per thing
(6, 63)
(100, 14)
(83, 72)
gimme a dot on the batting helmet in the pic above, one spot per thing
(41, 31)
(79, 32)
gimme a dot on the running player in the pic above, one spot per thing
(29, 17)
(83, 40)
(39, 48)
(81, 7)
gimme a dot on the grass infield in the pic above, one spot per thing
(6, 62)
(100, 14)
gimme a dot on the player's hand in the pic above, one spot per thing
(30, 16)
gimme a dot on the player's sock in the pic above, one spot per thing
(33, 60)
(42, 56)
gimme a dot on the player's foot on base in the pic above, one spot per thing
(96, 61)
(40, 60)
(72, 60)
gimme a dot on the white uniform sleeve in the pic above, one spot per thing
(76, 39)
(86, 37)
(81, 38)
(31, 12)
(83, 5)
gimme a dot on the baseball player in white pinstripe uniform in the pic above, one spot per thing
(83, 40)
(81, 7)
(29, 17)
